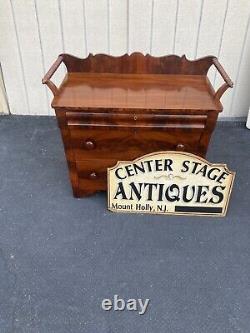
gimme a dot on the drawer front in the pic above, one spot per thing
(92, 174)
(121, 144)
(135, 118)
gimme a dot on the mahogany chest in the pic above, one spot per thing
(119, 108)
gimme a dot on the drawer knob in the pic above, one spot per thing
(93, 175)
(180, 146)
(89, 144)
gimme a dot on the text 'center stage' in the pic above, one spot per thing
(170, 182)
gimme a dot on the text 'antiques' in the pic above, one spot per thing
(170, 183)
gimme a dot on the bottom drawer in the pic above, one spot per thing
(92, 175)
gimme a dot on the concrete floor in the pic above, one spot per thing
(60, 256)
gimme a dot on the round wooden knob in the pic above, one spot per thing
(93, 175)
(180, 146)
(89, 144)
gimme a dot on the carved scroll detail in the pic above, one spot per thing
(137, 63)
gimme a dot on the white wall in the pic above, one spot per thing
(3, 98)
(34, 32)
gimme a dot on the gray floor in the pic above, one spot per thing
(60, 256)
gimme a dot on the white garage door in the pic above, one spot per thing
(34, 32)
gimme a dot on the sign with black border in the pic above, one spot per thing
(170, 182)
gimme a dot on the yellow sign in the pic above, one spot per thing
(170, 182)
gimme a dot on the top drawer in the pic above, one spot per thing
(111, 119)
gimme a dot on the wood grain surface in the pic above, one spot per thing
(143, 91)
(119, 108)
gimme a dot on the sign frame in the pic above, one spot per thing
(182, 213)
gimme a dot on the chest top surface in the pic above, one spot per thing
(136, 91)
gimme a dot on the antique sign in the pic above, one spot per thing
(170, 182)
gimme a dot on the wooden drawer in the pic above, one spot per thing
(135, 118)
(117, 143)
(92, 174)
